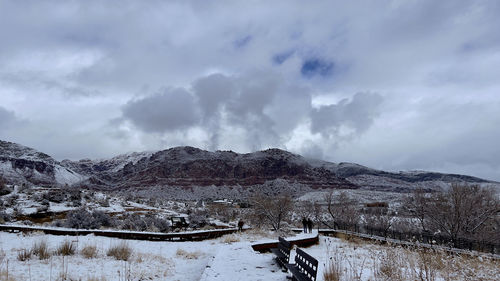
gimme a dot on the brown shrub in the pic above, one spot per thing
(89, 251)
(66, 249)
(24, 255)
(121, 251)
(41, 249)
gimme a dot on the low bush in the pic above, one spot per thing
(66, 249)
(55, 196)
(144, 223)
(89, 251)
(83, 219)
(187, 255)
(41, 249)
(198, 218)
(24, 255)
(10, 201)
(4, 217)
(121, 251)
(5, 190)
(94, 278)
(231, 238)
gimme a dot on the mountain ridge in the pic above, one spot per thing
(187, 167)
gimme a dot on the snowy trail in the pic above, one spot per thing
(239, 262)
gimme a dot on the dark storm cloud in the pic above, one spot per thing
(171, 109)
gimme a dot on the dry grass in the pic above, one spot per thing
(334, 270)
(5, 276)
(231, 238)
(350, 238)
(89, 251)
(428, 265)
(259, 233)
(141, 257)
(24, 255)
(66, 249)
(187, 255)
(397, 263)
(121, 251)
(95, 278)
(41, 249)
(390, 264)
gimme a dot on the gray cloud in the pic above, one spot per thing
(8, 119)
(213, 92)
(262, 105)
(172, 109)
(265, 109)
(355, 115)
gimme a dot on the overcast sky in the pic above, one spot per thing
(395, 85)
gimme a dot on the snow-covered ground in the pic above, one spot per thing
(227, 258)
(149, 260)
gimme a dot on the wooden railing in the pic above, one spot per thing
(135, 235)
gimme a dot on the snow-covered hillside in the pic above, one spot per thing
(23, 165)
(189, 168)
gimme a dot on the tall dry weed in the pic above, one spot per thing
(41, 249)
(334, 270)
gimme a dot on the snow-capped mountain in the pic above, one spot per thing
(189, 167)
(20, 164)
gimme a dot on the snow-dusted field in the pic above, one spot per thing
(227, 258)
(149, 261)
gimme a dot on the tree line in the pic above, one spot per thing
(462, 212)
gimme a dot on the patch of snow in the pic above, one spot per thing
(65, 176)
(59, 207)
(29, 211)
(132, 157)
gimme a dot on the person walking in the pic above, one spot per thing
(304, 224)
(310, 225)
(240, 225)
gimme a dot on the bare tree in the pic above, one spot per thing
(273, 209)
(342, 209)
(464, 211)
(305, 209)
(379, 219)
(415, 205)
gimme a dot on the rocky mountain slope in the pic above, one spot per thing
(189, 167)
(23, 165)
